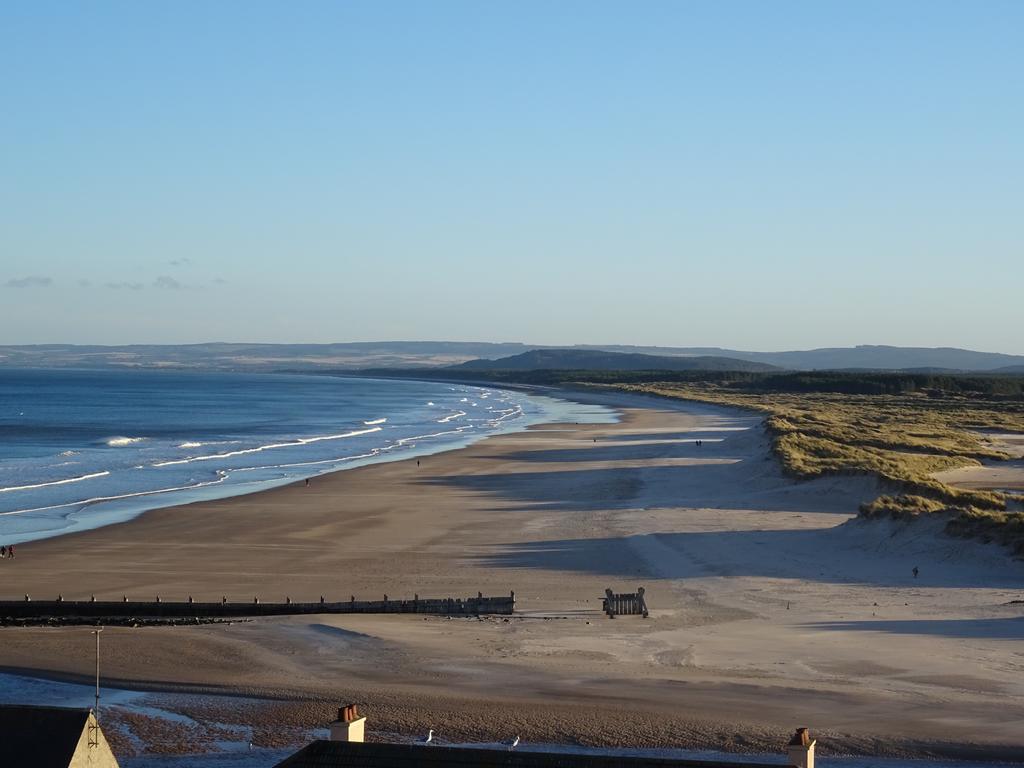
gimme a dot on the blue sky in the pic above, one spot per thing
(742, 174)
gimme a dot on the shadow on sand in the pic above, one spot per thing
(990, 629)
(839, 555)
(739, 485)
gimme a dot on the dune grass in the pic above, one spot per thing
(900, 439)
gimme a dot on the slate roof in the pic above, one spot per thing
(39, 737)
(347, 754)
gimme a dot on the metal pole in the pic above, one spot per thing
(96, 710)
(94, 738)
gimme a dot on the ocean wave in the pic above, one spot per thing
(69, 453)
(406, 440)
(451, 417)
(269, 446)
(371, 454)
(121, 442)
(375, 421)
(191, 445)
(221, 477)
(65, 481)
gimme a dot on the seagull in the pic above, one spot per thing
(512, 744)
(428, 738)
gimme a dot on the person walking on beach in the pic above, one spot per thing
(3, 552)
(10, 551)
(915, 571)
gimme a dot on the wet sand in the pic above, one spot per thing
(769, 609)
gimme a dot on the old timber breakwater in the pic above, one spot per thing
(30, 610)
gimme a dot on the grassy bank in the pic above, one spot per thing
(902, 439)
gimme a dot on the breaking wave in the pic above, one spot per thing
(268, 447)
(221, 477)
(65, 481)
(121, 442)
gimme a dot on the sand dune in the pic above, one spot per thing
(772, 607)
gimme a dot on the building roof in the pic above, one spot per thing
(41, 737)
(348, 754)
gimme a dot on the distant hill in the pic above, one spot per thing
(254, 357)
(885, 358)
(586, 360)
(423, 354)
(868, 356)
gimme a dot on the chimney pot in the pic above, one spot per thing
(800, 749)
(349, 726)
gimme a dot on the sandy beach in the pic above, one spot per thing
(771, 607)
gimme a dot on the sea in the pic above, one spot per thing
(80, 449)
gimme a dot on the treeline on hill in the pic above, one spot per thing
(840, 382)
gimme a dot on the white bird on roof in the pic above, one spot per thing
(512, 744)
(428, 738)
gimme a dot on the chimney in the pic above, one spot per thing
(349, 726)
(801, 749)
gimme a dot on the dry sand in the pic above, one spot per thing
(1005, 476)
(770, 609)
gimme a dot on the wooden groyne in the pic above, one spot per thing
(28, 608)
(624, 603)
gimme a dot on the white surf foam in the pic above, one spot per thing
(269, 446)
(407, 440)
(121, 442)
(221, 477)
(451, 417)
(65, 481)
(375, 421)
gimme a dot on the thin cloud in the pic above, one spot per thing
(182, 262)
(32, 281)
(124, 286)
(167, 283)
